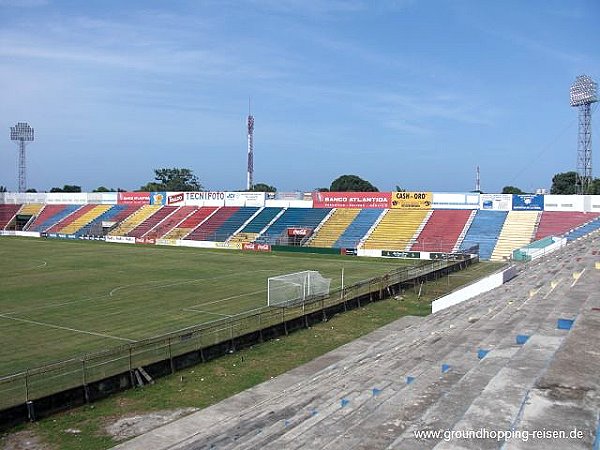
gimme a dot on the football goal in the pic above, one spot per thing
(296, 288)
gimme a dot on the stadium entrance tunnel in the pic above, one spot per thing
(278, 321)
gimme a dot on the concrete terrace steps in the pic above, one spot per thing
(303, 408)
(433, 386)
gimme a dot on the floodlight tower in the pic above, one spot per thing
(477, 181)
(22, 134)
(250, 181)
(583, 94)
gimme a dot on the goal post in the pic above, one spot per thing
(296, 288)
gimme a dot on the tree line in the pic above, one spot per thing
(184, 180)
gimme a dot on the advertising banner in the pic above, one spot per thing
(145, 240)
(66, 198)
(400, 254)
(167, 198)
(351, 199)
(287, 195)
(412, 200)
(133, 198)
(120, 239)
(528, 202)
(456, 200)
(204, 198)
(500, 202)
(293, 232)
(245, 199)
(256, 247)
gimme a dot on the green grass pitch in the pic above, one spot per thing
(59, 299)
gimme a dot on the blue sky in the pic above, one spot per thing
(415, 93)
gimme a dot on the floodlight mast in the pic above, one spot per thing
(583, 93)
(22, 134)
(250, 123)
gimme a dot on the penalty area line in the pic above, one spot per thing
(49, 325)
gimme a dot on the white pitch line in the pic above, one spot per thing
(18, 319)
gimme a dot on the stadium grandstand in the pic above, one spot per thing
(514, 357)
(421, 225)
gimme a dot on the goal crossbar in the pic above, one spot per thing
(296, 288)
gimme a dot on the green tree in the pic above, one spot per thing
(322, 189)
(512, 190)
(31, 190)
(262, 187)
(564, 183)
(174, 179)
(67, 188)
(399, 189)
(3, 189)
(351, 183)
(595, 186)
(103, 189)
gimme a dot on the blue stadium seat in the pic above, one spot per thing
(358, 228)
(236, 220)
(293, 217)
(484, 230)
(261, 220)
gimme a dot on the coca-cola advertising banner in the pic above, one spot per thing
(256, 247)
(352, 199)
(299, 232)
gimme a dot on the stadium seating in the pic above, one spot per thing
(334, 227)
(293, 217)
(31, 209)
(589, 227)
(253, 228)
(94, 227)
(7, 212)
(84, 219)
(168, 224)
(207, 230)
(557, 223)
(234, 222)
(484, 231)
(359, 227)
(396, 230)
(517, 231)
(82, 210)
(51, 215)
(144, 228)
(442, 230)
(261, 220)
(132, 221)
(191, 222)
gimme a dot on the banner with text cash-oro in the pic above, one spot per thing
(412, 200)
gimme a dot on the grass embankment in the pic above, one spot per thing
(206, 384)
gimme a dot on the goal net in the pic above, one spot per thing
(296, 288)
